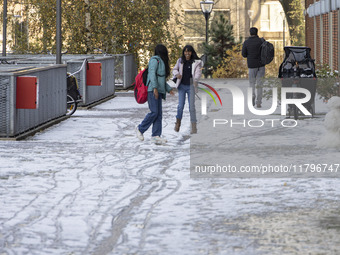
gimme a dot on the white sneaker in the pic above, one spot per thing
(158, 140)
(139, 134)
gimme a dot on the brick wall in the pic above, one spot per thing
(325, 19)
(321, 26)
(310, 36)
(335, 41)
(318, 40)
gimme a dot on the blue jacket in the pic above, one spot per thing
(157, 76)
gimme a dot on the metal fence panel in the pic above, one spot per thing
(74, 66)
(96, 93)
(130, 70)
(125, 70)
(51, 99)
(4, 104)
(118, 69)
(91, 94)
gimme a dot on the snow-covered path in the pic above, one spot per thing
(88, 186)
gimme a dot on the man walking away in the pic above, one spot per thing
(252, 51)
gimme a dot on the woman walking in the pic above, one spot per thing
(158, 71)
(188, 71)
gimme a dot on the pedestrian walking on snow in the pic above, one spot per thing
(251, 50)
(158, 71)
(187, 71)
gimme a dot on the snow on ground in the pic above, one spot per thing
(88, 186)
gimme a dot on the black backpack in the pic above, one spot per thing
(267, 52)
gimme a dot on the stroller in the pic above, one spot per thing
(298, 70)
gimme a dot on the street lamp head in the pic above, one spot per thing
(207, 6)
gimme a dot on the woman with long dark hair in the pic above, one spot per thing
(158, 71)
(188, 71)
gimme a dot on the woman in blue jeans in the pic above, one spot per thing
(158, 71)
(188, 71)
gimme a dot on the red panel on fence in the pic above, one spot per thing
(94, 74)
(27, 92)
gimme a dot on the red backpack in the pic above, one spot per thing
(141, 90)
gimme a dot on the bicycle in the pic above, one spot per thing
(73, 94)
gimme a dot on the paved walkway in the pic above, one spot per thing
(88, 186)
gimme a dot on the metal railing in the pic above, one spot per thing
(125, 67)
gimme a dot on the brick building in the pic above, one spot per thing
(322, 31)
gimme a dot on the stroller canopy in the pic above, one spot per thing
(298, 58)
(296, 53)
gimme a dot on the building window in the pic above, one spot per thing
(265, 18)
(216, 14)
(194, 24)
(271, 20)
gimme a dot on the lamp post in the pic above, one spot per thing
(250, 14)
(284, 27)
(4, 28)
(58, 35)
(206, 7)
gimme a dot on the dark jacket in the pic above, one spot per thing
(251, 50)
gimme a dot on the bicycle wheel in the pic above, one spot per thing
(71, 105)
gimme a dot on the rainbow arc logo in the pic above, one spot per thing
(209, 93)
